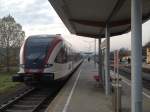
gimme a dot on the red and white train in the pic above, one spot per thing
(46, 58)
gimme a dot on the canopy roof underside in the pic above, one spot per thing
(89, 17)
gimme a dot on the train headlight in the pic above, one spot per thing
(22, 65)
(48, 65)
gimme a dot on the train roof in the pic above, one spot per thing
(45, 35)
(68, 44)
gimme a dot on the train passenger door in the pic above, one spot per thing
(61, 64)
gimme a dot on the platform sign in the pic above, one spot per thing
(148, 56)
(117, 86)
(116, 62)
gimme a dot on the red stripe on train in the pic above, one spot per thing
(52, 46)
(54, 43)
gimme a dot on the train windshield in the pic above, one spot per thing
(36, 50)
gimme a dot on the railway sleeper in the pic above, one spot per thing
(21, 108)
(27, 102)
(10, 110)
(33, 99)
(18, 106)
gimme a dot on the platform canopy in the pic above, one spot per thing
(89, 17)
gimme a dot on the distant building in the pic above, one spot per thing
(148, 56)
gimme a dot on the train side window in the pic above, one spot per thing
(62, 56)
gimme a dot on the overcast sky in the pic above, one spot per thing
(38, 17)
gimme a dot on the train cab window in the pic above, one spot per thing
(37, 47)
(62, 56)
(35, 51)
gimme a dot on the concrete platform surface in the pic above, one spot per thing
(81, 93)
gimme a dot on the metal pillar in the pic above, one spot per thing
(100, 59)
(136, 59)
(107, 72)
(103, 66)
(95, 54)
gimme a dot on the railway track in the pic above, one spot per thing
(33, 100)
(126, 72)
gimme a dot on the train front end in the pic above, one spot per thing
(35, 63)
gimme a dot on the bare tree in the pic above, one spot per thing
(11, 36)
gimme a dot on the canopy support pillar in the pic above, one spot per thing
(100, 60)
(95, 54)
(136, 55)
(107, 72)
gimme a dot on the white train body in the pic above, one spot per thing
(46, 58)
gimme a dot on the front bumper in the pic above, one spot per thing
(46, 77)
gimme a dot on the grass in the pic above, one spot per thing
(6, 83)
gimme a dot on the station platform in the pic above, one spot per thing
(82, 93)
